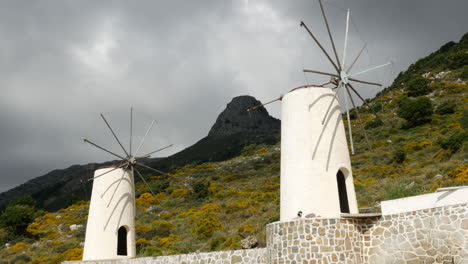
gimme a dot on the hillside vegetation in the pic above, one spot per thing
(419, 144)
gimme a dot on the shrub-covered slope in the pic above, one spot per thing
(418, 145)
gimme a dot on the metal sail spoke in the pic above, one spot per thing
(335, 97)
(321, 47)
(102, 174)
(322, 73)
(369, 69)
(143, 139)
(131, 128)
(154, 170)
(148, 167)
(110, 152)
(350, 131)
(147, 185)
(115, 136)
(357, 57)
(358, 115)
(329, 34)
(365, 82)
(345, 40)
(149, 154)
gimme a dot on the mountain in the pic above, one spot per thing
(234, 129)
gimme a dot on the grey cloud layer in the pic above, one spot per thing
(179, 62)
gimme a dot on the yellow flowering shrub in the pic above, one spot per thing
(141, 241)
(230, 177)
(379, 144)
(203, 167)
(272, 187)
(167, 241)
(242, 204)
(142, 228)
(435, 187)
(245, 229)
(460, 174)
(206, 226)
(19, 246)
(40, 260)
(72, 254)
(148, 199)
(180, 193)
(212, 187)
(262, 151)
(162, 225)
(364, 182)
(414, 146)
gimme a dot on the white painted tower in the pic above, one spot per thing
(110, 232)
(316, 175)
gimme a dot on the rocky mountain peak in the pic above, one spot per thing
(235, 119)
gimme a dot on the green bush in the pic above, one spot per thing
(20, 259)
(16, 218)
(374, 124)
(464, 73)
(160, 186)
(399, 155)
(417, 86)
(445, 108)
(455, 141)
(416, 111)
(249, 150)
(200, 189)
(464, 119)
(27, 200)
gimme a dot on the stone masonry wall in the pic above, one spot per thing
(437, 235)
(314, 240)
(247, 256)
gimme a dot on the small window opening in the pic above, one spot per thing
(342, 192)
(122, 241)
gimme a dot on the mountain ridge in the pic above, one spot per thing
(61, 187)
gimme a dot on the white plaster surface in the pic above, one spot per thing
(312, 154)
(112, 206)
(425, 201)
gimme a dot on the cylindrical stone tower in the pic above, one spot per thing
(110, 232)
(316, 174)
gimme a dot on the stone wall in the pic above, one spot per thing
(247, 256)
(438, 235)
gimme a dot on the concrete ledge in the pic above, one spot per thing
(425, 201)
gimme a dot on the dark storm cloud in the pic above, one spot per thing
(179, 62)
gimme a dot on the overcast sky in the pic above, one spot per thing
(179, 62)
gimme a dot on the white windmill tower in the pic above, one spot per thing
(110, 231)
(316, 174)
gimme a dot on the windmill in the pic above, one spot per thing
(316, 174)
(110, 232)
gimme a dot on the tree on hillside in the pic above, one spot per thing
(18, 215)
(417, 86)
(416, 111)
(16, 218)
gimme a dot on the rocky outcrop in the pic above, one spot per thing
(235, 119)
